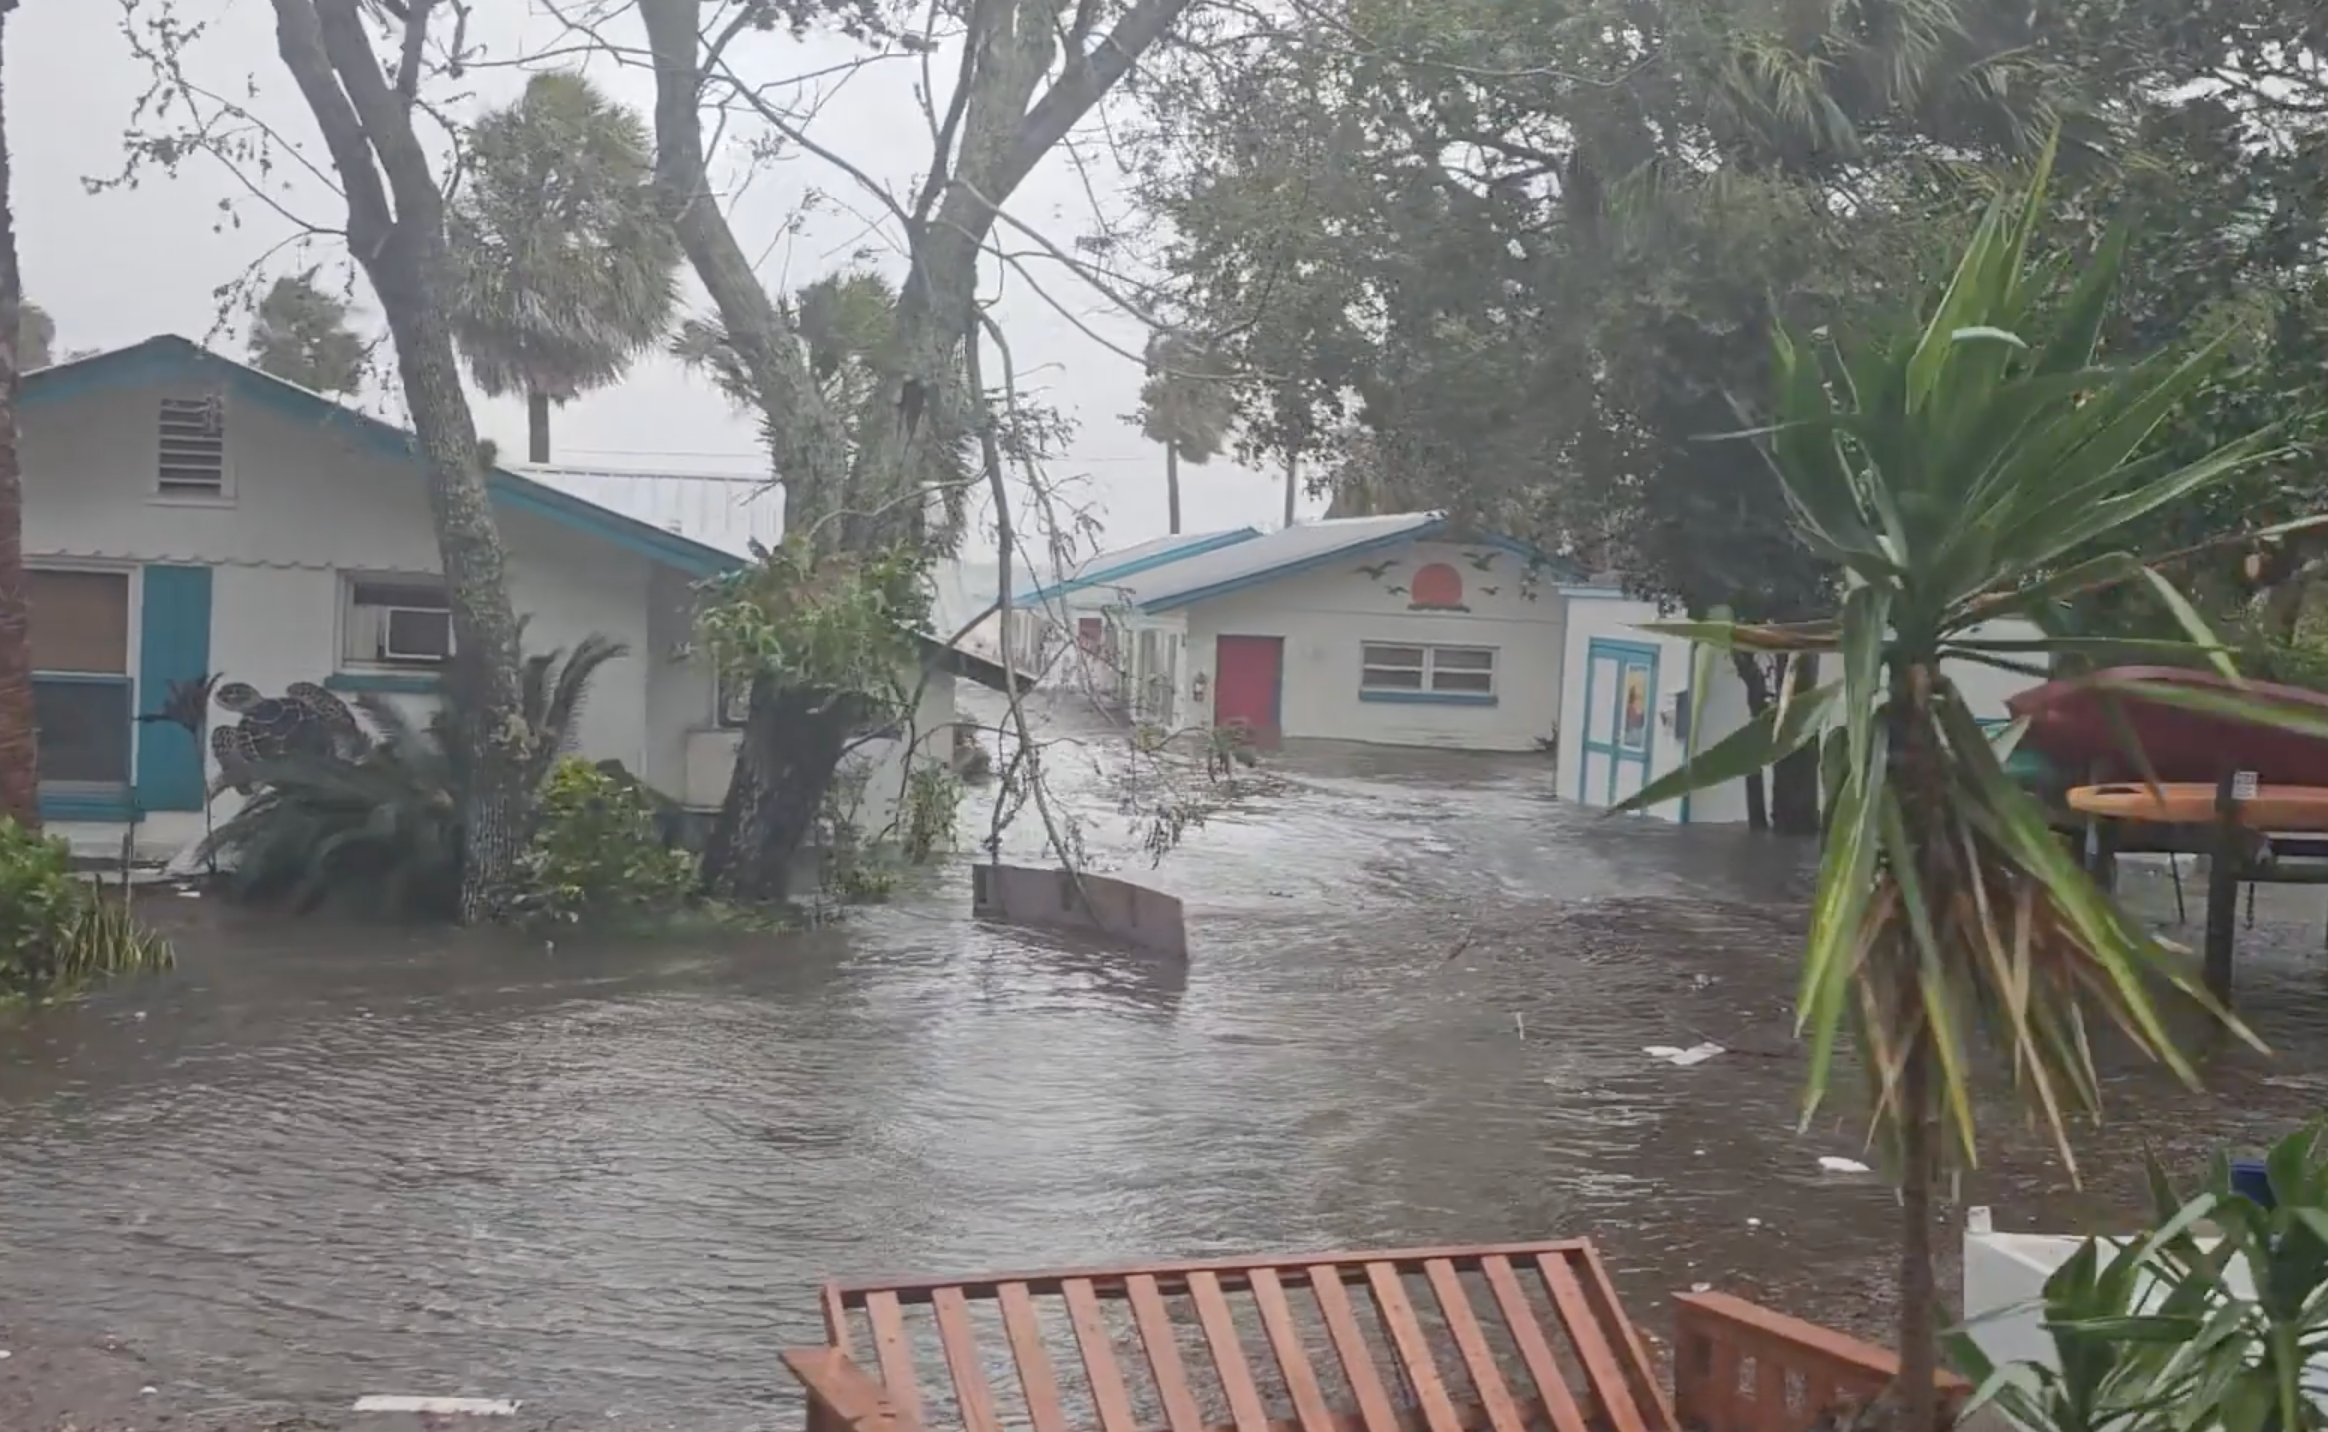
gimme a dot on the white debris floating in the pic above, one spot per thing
(1695, 1054)
(441, 1406)
(1833, 1164)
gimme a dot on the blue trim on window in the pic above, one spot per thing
(1431, 530)
(169, 358)
(1624, 653)
(386, 683)
(117, 807)
(1431, 698)
(1195, 547)
(80, 678)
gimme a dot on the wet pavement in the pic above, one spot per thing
(321, 1162)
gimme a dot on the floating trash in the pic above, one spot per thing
(441, 1406)
(1695, 1054)
(1833, 1164)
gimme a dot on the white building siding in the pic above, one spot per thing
(1721, 710)
(1327, 615)
(306, 506)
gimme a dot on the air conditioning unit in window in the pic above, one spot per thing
(415, 633)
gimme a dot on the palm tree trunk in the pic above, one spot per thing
(537, 427)
(19, 758)
(1292, 484)
(1172, 486)
(1919, 1288)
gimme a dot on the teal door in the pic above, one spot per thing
(1620, 702)
(173, 647)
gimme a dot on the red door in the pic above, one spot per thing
(1248, 675)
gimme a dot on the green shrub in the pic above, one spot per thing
(378, 837)
(933, 798)
(597, 853)
(381, 835)
(58, 932)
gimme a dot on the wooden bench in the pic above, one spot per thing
(1522, 1337)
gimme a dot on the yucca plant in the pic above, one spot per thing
(1950, 464)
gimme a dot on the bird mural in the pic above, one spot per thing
(1482, 561)
(1374, 573)
(1491, 591)
(305, 720)
(1396, 591)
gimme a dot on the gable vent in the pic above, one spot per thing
(193, 447)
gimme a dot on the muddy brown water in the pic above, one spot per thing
(321, 1161)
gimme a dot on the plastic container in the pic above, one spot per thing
(2250, 1178)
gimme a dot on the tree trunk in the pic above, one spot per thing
(1794, 781)
(19, 758)
(1172, 487)
(791, 745)
(1919, 1288)
(406, 273)
(1292, 484)
(537, 427)
(1757, 682)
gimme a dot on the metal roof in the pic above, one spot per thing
(721, 510)
(1302, 547)
(1110, 568)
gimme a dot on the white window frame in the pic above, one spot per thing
(223, 494)
(1428, 672)
(350, 583)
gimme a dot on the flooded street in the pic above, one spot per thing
(319, 1162)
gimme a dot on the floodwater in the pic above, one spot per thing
(319, 1161)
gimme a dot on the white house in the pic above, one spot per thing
(187, 515)
(1380, 629)
(1628, 705)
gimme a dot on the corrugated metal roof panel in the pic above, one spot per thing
(1273, 554)
(721, 510)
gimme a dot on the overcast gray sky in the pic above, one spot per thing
(120, 266)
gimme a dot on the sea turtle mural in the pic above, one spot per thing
(305, 720)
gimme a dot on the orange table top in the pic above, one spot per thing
(2193, 803)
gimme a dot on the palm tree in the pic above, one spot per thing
(19, 757)
(1187, 405)
(300, 334)
(1949, 465)
(563, 270)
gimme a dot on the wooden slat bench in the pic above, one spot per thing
(1505, 1338)
(1521, 1337)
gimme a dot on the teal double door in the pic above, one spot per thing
(1620, 705)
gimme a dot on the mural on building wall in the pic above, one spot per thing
(305, 720)
(1439, 586)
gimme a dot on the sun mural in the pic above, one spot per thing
(1437, 587)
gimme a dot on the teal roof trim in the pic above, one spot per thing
(1195, 547)
(169, 358)
(1557, 569)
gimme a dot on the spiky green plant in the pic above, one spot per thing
(381, 835)
(1949, 465)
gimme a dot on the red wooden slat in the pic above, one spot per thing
(1414, 1351)
(971, 1394)
(1108, 1396)
(1109, 1281)
(1592, 1348)
(1220, 1331)
(1310, 1408)
(1654, 1403)
(1025, 1332)
(1543, 1365)
(1180, 1409)
(1486, 1378)
(1770, 1411)
(894, 1352)
(1351, 1346)
(836, 1318)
